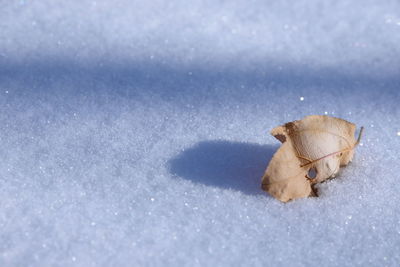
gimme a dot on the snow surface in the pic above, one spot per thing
(135, 133)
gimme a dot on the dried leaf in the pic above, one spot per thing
(313, 149)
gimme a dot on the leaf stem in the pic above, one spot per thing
(359, 136)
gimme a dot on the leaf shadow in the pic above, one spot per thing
(224, 164)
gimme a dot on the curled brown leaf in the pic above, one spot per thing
(313, 149)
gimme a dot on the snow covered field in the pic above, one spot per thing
(135, 133)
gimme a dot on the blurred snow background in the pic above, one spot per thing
(135, 133)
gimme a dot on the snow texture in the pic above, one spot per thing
(135, 133)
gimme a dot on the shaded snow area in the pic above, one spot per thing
(136, 133)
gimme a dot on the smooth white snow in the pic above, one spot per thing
(135, 133)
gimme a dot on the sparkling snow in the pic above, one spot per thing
(135, 133)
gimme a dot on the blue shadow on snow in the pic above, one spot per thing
(224, 164)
